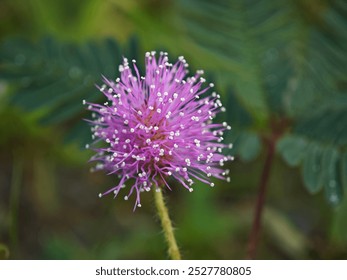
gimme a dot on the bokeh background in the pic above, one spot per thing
(281, 69)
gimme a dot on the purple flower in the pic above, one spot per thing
(158, 126)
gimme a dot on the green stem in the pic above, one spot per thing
(167, 225)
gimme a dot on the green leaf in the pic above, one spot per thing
(285, 60)
(327, 125)
(320, 137)
(56, 76)
(321, 167)
(32, 98)
(332, 182)
(276, 56)
(292, 148)
(312, 168)
(226, 30)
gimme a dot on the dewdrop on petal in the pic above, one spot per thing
(157, 126)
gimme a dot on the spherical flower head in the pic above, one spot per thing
(158, 126)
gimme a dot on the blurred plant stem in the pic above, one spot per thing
(17, 174)
(167, 225)
(264, 179)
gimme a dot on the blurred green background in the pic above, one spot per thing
(281, 68)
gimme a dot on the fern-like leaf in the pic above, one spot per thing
(285, 64)
(55, 77)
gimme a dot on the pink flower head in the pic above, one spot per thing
(158, 126)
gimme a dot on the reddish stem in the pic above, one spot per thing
(254, 236)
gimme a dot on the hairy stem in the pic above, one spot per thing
(254, 236)
(173, 250)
